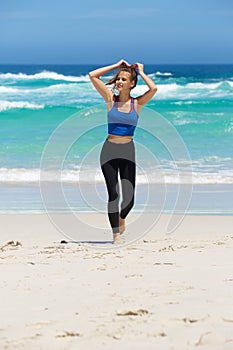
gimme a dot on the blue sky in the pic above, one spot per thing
(88, 31)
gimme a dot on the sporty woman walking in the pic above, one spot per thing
(118, 152)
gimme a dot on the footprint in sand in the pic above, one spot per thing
(167, 249)
(210, 338)
(11, 245)
(68, 334)
(53, 249)
(134, 275)
(164, 263)
(139, 312)
(149, 241)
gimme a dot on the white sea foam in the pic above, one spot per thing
(19, 175)
(166, 74)
(52, 90)
(70, 88)
(199, 85)
(71, 85)
(194, 90)
(6, 89)
(180, 103)
(170, 177)
(139, 90)
(6, 105)
(44, 75)
(159, 175)
(160, 74)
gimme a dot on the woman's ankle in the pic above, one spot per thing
(121, 225)
(117, 238)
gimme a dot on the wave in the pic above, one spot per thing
(166, 74)
(197, 90)
(44, 75)
(190, 91)
(160, 74)
(225, 84)
(187, 102)
(6, 89)
(6, 105)
(55, 87)
(70, 88)
(73, 92)
(22, 175)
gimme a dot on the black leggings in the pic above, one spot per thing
(114, 159)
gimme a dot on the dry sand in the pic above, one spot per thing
(160, 292)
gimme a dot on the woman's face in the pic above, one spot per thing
(123, 81)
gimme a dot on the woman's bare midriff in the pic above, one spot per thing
(119, 139)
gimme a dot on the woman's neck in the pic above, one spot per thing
(124, 97)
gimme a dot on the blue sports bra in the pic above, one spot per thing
(122, 123)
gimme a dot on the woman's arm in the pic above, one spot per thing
(98, 83)
(143, 99)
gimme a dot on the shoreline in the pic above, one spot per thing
(211, 199)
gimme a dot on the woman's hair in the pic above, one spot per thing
(131, 70)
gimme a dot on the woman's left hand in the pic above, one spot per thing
(139, 67)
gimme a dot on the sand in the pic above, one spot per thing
(159, 292)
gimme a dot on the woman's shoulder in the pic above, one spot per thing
(111, 101)
(137, 105)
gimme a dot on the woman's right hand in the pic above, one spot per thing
(122, 63)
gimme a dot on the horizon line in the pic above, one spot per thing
(91, 64)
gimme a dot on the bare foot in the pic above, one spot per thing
(121, 225)
(117, 238)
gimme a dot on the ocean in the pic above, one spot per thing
(52, 119)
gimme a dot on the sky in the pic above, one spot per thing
(94, 32)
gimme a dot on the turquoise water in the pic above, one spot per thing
(196, 101)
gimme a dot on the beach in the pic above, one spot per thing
(64, 284)
(163, 291)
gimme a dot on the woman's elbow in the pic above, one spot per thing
(93, 75)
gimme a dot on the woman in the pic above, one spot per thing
(118, 154)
